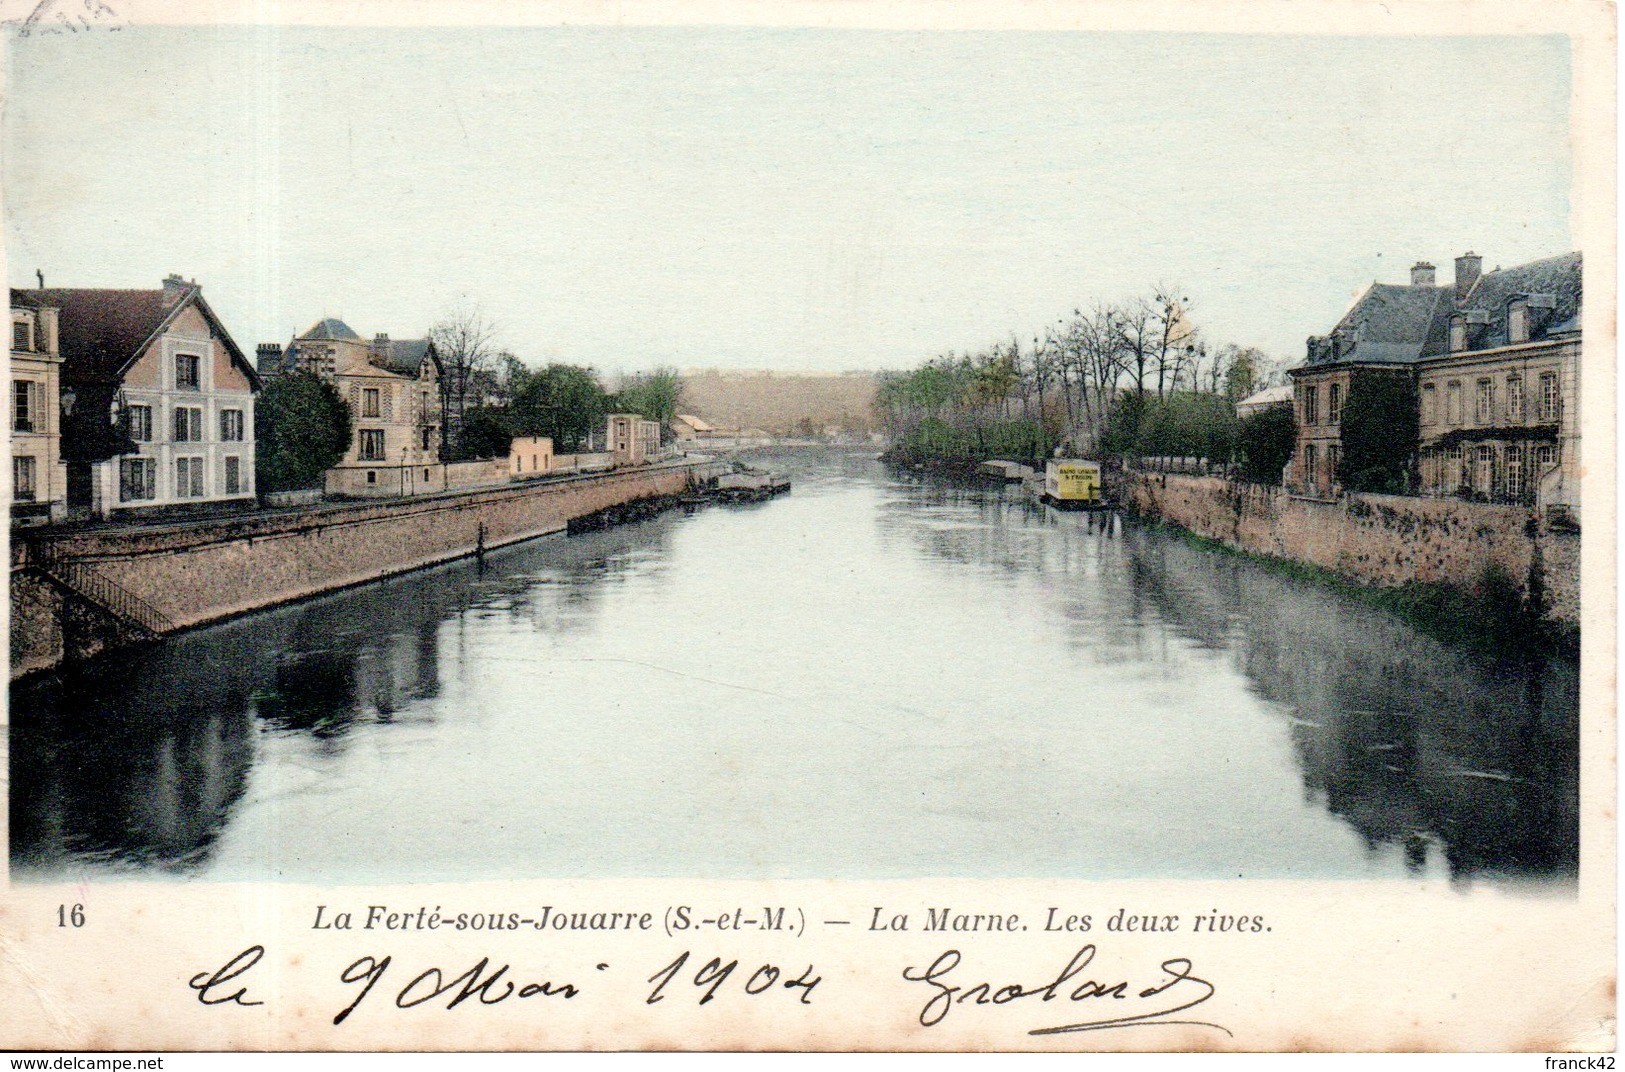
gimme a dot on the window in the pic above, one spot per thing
(1518, 322)
(1484, 477)
(22, 479)
(188, 424)
(369, 401)
(1430, 403)
(1514, 480)
(427, 432)
(1334, 404)
(231, 426)
(1453, 403)
(1311, 407)
(20, 335)
(1545, 457)
(233, 475)
(1458, 334)
(1515, 398)
(1309, 469)
(186, 372)
(372, 476)
(1485, 412)
(24, 405)
(372, 444)
(1452, 467)
(136, 479)
(188, 478)
(1548, 396)
(138, 423)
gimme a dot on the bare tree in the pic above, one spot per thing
(1175, 338)
(466, 341)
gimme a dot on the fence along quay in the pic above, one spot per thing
(74, 594)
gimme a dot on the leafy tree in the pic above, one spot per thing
(301, 429)
(1266, 440)
(1379, 431)
(653, 396)
(565, 402)
(487, 431)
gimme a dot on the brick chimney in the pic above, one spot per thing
(268, 358)
(1422, 274)
(1469, 266)
(175, 288)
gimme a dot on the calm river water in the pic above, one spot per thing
(873, 677)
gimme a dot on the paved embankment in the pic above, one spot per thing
(182, 575)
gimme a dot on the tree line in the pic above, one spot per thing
(1126, 378)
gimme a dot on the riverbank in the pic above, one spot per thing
(1448, 565)
(76, 593)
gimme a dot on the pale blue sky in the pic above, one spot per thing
(800, 198)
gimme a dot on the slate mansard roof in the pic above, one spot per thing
(329, 327)
(1557, 279)
(403, 357)
(1398, 324)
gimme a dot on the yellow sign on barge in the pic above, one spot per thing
(1073, 484)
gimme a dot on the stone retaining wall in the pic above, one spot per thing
(1382, 540)
(202, 571)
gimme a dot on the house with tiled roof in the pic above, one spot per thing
(1493, 361)
(392, 387)
(162, 399)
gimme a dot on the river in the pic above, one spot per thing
(879, 675)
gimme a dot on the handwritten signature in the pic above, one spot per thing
(1155, 1006)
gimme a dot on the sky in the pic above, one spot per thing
(774, 198)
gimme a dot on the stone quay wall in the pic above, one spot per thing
(201, 571)
(1379, 540)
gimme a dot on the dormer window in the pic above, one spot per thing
(1518, 321)
(22, 338)
(1458, 334)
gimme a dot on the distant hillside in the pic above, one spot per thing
(781, 403)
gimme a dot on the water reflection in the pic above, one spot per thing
(961, 681)
(137, 760)
(1439, 749)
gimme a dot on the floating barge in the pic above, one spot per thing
(1074, 484)
(751, 486)
(1009, 472)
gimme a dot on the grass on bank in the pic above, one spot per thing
(1492, 615)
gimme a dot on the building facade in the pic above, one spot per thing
(632, 439)
(530, 456)
(392, 387)
(1493, 365)
(1498, 413)
(39, 481)
(163, 400)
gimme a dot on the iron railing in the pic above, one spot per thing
(97, 588)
